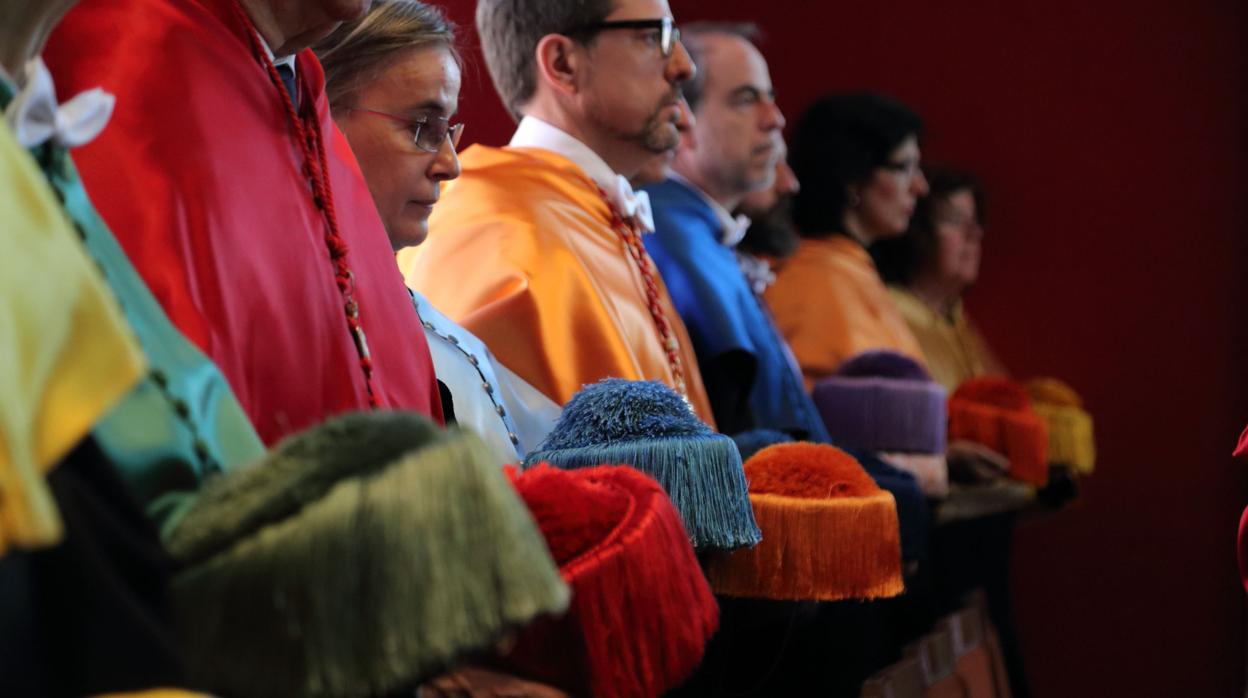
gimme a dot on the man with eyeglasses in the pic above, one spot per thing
(240, 205)
(537, 248)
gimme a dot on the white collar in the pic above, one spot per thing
(634, 205)
(288, 61)
(732, 228)
(535, 133)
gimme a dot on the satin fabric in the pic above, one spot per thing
(511, 416)
(199, 177)
(953, 347)
(66, 356)
(181, 423)
(522, 253)
(720, 309)
(829, 303)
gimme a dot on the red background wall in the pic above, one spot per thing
(1112, 137)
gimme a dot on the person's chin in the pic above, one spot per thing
(410, 234)
(662, 140)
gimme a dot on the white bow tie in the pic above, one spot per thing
(757, 272)
(735, 233)
(633, 205)
(36, 118)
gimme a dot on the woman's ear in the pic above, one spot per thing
(559, 62)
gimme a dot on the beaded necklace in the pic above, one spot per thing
(316, 169)
(637, 250)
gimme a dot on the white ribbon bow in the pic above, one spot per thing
(735, 233)
(757, 272)
(36, 118)
(633, 205)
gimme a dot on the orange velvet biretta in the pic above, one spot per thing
(829, 533)
(996, 412)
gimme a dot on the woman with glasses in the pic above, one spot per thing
(857, 157)
(393, 80)
(930, 267)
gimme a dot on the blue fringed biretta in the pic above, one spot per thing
(648, 426)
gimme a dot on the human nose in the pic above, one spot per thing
(680, 65)
(918, 183)
(445, 165)
(773, 119)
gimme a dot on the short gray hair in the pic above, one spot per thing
(510, 31)
(357, 51)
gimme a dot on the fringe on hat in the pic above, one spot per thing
(641, 611)
(1071, 440)
(883, 401)
(997, 413)
(646, 425)
(829, 532)
(358, 559)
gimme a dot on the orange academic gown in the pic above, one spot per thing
(522, 253)
(830, 304)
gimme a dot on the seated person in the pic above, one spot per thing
(857, 157)
(393, 82)
(732, 150)
(931, 266)
(225, 182)
(543, 237)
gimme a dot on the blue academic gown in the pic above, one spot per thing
(723, 314)
(720, 309)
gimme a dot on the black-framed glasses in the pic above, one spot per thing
(669, 33)
(428, 132)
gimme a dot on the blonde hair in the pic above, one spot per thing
(357, 51)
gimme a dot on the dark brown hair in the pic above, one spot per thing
(510, 31)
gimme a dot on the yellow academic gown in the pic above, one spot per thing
(522, 253)
(66, 354)
(830, 304)
(953, 347)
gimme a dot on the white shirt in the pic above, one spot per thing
(535, 133)
(510, 415)
(288, 61)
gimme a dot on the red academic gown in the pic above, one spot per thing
(199, 176)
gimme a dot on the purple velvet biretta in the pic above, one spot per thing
(883, 401)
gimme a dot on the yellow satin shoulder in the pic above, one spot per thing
(521, 252)
(953, 347)
(66, 354)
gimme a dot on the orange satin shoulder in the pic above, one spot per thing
(830, 303)
(521, 253)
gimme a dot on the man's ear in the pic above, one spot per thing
(560, 60)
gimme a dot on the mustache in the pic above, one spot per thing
(672, 99)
